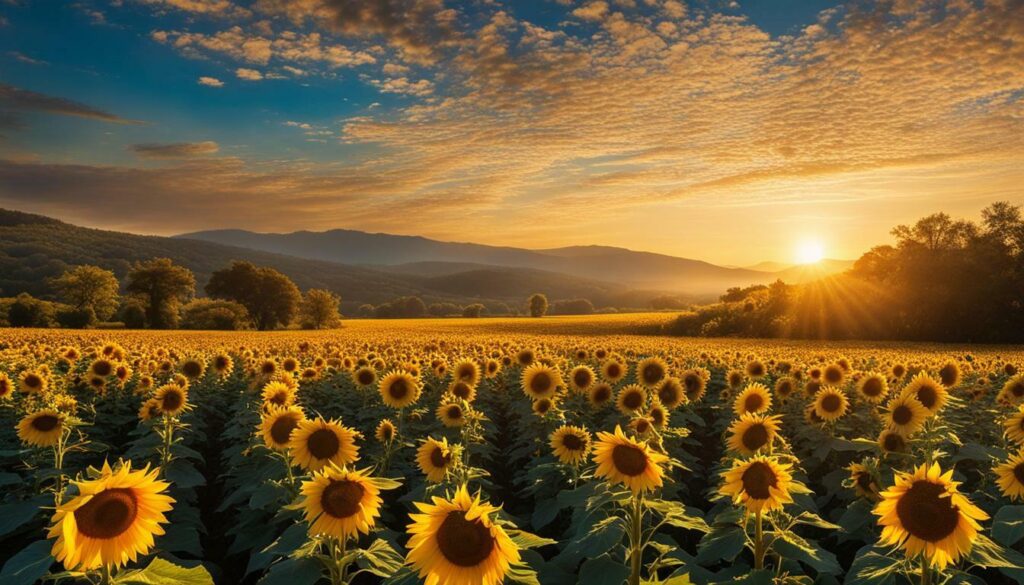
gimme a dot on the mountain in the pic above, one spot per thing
(423, 256)
(34, 249)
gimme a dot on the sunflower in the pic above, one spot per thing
(457, 542)
(42, 428)
(761, 484)
(1011, 476)
(905, 415)
(581, 378)
(101, 367)
(695, 385)
(467, 371)
(31, 382)
(112, 520)
(622, 460)
(434, 458)
(365, 377)
(755, 369)
(613, 371)
(658, 414)
(1013, 390)
(631, 399)
(923, 513)
(277, 393)
(451, 414)
(890, 441)
(600, 394)
(833, 375)
(223, 364)
(571, 444)
(755, 399)
(340, 503)
(173, 399)
(671, 393)
(949, 374)
(193, 369)
(462, 390)
(830, 404)
(1014, 426)
(399, 389)
(928, 391)
(149, 410)
(863, 481)
(785, 387)
(314, 443)
(753, 432)
(540, 381)
(277, 425)
(651, 371)
(385, 432)
(6, 386)
(873, 388)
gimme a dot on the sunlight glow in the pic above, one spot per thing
(810, 252)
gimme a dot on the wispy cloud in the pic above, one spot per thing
(16, 98)
(175, 151)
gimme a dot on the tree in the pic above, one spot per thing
(164, 286)
(28, 311)
(319, 309)
(573, 307)
(474, 310)
(538, 305)
(88, 288)
(214, 315)
(270, 297)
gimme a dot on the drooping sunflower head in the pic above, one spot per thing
(399, 389)
(671, 393)
(830, 403)
(1010, 476)
(873, 388)
(581, 378)
(905, 415)
(928, 391)
(754, 399)
(277, 425)
(434, 458)
(540, 381)
(651, 371)
(1013, 390)
(695, 385)
(340, 503)
(658, 414)
(112, 520)
(315, 443)
(622, 460)
(277, 393)
(949, 374)
(753, 432)
(600, 394)
(451, 414)
(862, 480)
(631, 399)
(149, 410)
(890, 441)
(457, 542)
(925, 514)
(571, 444)
(42, 428)
(385, 432)
(173, 399)
(760, 484)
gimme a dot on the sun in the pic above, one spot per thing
(810, 252)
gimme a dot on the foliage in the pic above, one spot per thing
(214, 315)
(271, 298)
(319, 309)
(90, 288)
(537, 305)
(164, 286)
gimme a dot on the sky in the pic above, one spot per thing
(731, 131)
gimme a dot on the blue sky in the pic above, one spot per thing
(616, 121)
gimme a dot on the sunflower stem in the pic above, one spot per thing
(636, 537)
(105, 577)
(926, 571)
(758, 542)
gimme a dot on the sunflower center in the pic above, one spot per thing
(323, 443)
(102, 368)
(192, 369)
(341, 498)
(652, 374)
(1018, 472)
(831, 403)
(465, 543)
(108, 514)
(282, 428)
(461, 390)
(439, 459)
(398, 389)
(572, 442)
(540, 383)
(755, 437)
(753, 403)
(1017, 389)
(614, 371)
(33, 381)
(668, 394)
(602, 394)
(365, 378)
(872, 387)
(45, 422)
(171, 401)
(632, 400)
(757, 480)
(581, 378)
(902, 414)
(454, 412)
(629, 460)
(928, 396)
(925, 513)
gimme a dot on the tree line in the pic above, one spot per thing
(160, 294)
(942, 280)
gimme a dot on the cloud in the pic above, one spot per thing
(175, 151)
(218, 8)
(595, 10)
(16, 98)
(210, 81)
(26, 59)
(248, 74)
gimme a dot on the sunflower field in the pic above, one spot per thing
(428, 452)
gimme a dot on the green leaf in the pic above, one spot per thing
(521, 574)
(872, 568)
(855, 517)
(792, 546)
(987, 553)
(9, 479)
(161, 572)
(14, 516)
(812, 519)
(525, 539)
(1008, 525)
(26, 567)
(300, 571)
(380, 559)
(545, 512)
(603, 570)
(183, 475)
(723, 543)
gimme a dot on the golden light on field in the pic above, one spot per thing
(810, 252)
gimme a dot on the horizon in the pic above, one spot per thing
(730, 132)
